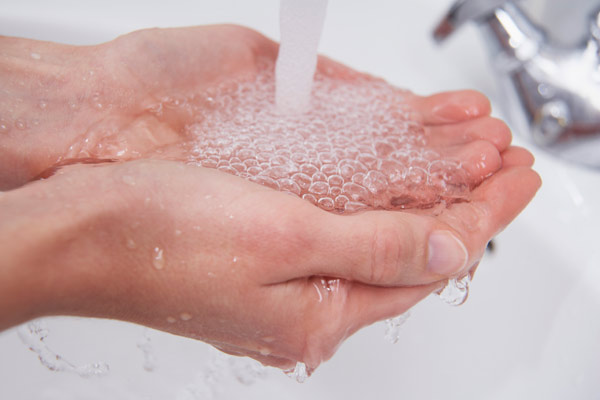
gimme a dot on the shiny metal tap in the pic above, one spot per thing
(551, 93)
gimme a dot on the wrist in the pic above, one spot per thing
(57, 246)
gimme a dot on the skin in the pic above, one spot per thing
(197, 252)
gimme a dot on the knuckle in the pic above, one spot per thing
(389, 247)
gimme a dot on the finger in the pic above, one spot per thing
(493, 206)
(517, 156)
(403, 249)
(451, 107)
(384, 248)
(485, 128)
(479, 159)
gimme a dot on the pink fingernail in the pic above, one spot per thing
(447, 254)
(455, 112)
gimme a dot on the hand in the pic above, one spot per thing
(70, 103)
(252, 271)
(203, 254)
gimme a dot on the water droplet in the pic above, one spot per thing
(456, 291)
(177, 232)
(158, 260)
(42, 104)
(171, 320)
(299, 373)
(264, 351)
(185, 316)
(20, 124)
(235, 259)
(130, 244)
(35, 56)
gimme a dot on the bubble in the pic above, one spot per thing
(310, 198)
(319, 188)
(356, 193)
(288, 185)
(326, 203)
(357, 139)
(375, 182)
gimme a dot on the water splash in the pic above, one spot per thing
(299, 373)
(220, 373)
(456, 291)
(393, 325)
(34, 334)
(145, 345)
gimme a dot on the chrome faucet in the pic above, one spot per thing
(551, 92)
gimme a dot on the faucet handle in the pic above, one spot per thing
(464, 11)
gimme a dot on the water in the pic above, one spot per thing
(393, 325)
(344, 144)
(158, 259)
(220, 372)
(456, 292)
(356, 148)
(299, 373)
(145, 345)
(34, 334)
(301, 24)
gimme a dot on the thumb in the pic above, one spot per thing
(387, 248)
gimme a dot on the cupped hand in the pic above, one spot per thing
(255, 272)
(260, 273)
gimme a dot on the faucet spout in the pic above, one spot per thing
(551, 93)
(464, 11)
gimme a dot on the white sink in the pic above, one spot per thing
(530, 329)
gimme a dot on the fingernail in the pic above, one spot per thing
(457, 110)
(447, 254)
